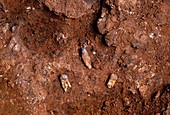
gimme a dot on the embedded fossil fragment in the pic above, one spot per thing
(65, 82)
(112, 80)
(86, 58)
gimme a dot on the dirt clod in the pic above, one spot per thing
(71, 8)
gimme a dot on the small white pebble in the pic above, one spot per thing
(63, 36)
(49, 67)
(152, 74)
(151, 35)
(103, 14)
(28, 8)
(130, 12)
(94, 53)
(135, 67)
(119, 8)
(6, 11)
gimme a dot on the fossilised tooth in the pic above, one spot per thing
(65, 82)
(112, 80)
(86, 58)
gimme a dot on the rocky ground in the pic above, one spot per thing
(84, 57)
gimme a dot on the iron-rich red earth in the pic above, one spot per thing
(40, 40)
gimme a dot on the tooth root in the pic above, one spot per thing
(65, 89)
(69, 85)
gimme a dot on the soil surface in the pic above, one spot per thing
(113, 57)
